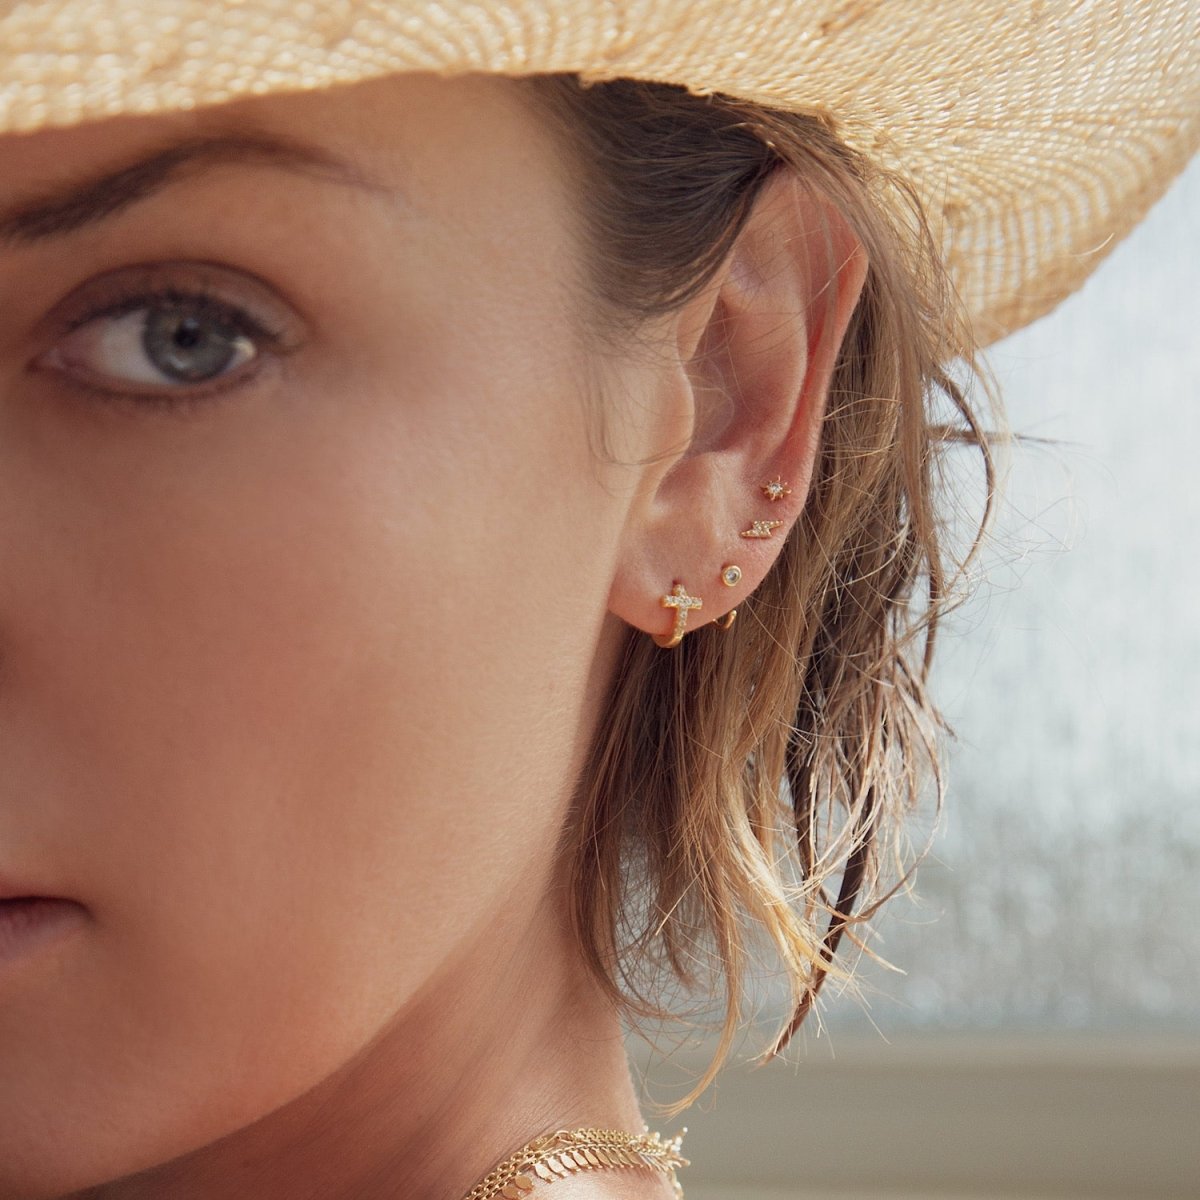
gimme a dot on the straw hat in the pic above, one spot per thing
(1037, 132)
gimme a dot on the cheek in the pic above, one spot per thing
(271, 709)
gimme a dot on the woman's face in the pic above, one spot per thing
(292, 672)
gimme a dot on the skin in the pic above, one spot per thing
(296, 682)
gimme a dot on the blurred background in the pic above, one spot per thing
(1044, 1039)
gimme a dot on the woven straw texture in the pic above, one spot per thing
(1037, 132)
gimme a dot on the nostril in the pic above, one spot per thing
(27, 922)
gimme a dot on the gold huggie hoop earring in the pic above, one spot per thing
(682, 603)
(727, 620)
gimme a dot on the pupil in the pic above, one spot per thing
(186, 335)
(187, 347)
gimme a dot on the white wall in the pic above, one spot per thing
(1064, 889)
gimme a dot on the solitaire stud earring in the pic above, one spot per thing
(682, 603)
(730, 575)
(776, 489)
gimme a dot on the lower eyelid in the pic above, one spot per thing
(180, 400)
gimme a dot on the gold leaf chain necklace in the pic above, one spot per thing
(565, 1152)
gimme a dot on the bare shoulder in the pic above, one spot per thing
(606, 1185)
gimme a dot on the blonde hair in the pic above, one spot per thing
(735, 776)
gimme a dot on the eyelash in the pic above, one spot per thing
(197, 301)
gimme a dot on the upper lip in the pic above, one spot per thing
(14, 891)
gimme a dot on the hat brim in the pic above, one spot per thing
(1036, 134)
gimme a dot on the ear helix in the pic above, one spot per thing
(683, 603)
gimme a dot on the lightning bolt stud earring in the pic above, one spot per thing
(761, 529)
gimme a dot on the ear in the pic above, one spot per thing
(750, 369)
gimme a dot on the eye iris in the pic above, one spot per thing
(187, 347)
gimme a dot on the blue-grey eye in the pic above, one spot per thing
(190, 348)
(152, 343)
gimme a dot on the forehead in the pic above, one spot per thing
(406, 137)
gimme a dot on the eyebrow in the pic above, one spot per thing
(90, 200)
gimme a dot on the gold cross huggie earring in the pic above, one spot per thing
(682, 603)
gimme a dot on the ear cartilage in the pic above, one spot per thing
(761, 529)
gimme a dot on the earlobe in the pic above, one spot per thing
(756, 352)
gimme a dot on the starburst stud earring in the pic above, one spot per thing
(682, 603)
(761, 529)
(776, 489)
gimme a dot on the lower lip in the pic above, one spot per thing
(31, 922)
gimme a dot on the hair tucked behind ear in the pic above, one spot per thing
(737, 776)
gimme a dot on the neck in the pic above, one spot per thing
(510, 1040)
